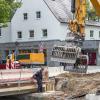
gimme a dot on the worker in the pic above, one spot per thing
(8, 63)
(39, 77)
(77, 63)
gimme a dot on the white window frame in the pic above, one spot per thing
(0, 32)
(43, 32)
(38, 14)
(19, 36)
(25, 16)
(91, 33)
(99, 34)
(30, 34)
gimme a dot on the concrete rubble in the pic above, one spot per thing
(69, 86)
(77, 85)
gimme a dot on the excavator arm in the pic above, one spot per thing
(96, 5)
(78, 8)
(77, 25)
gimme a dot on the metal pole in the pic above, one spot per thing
(16, 50)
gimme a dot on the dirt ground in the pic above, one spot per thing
(78, 84)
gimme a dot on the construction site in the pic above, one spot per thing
(67, 74)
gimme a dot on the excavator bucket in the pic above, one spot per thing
(65, 54)
(70, 58)
(78, 69)
(80, 66)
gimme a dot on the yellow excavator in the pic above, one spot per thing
(70, 55)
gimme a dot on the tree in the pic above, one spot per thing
(91, 13)
(7, 9)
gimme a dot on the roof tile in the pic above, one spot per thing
(60, 8)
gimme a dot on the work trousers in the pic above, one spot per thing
(39, 83)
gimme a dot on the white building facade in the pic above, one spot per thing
(39, 18)
(5, 34)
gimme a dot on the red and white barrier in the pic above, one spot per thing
(13, 75)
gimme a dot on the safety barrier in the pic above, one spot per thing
(15, 74)
(11, 77)
(16, 81)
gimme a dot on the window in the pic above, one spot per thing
(38, 14)
(19, 34)
(35, 50)
(91, 33)
(44, 31)
(25, 15)
(99, 34)
(23, 57)
(0, 31)
(31, 33)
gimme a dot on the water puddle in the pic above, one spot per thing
(92, 97)
(88, 97)
(8, 98)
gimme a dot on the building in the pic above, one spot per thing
(42, 24)
(92, 44)
(5, 34)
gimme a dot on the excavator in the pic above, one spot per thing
(70, 55)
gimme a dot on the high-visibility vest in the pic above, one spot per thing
(12, 64)
(7, 64)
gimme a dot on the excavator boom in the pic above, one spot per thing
(96, 5)
(70, 55)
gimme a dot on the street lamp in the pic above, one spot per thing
(16, 49)
(16, 43)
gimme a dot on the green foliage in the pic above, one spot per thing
(91, 14)
(7, 9)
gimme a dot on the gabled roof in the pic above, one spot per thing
(60, 8)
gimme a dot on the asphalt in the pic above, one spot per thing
(54, 71)
(93, 69)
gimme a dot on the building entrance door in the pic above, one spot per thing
(92, 58)
(91, 55)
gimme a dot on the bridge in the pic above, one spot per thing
(17, 81)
